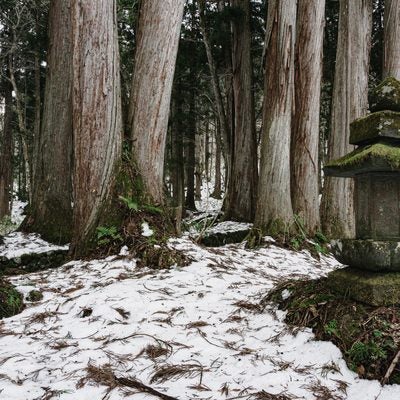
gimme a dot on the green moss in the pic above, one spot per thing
(34, 296)
(11, 301)
(379, 152)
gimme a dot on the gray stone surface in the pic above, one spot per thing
(377, 206)
(376, 289)
(386, 96)
(370, 255)
(374, 127)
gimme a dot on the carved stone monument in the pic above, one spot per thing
(373, 275)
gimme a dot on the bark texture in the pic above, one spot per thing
(6, 153)
(305, 131)
(156, 51)
(96, 114)
(350, 101)
(51, 210)
(242, 189)
(391, 62)
(274, 207)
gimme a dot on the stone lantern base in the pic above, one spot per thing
(376, 289)
(371, 255)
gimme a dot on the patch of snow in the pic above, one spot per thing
(208, 203)
(146, 230)
(17, 212)
(107, 312)
(17, 244)
(124, 251)
(285, 294)
(387, 89)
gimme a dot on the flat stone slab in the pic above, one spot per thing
(378, 157)
(376, 126)
(386, 96)
(376, 289)
(32, 262)
(370, 255)
(227, 232)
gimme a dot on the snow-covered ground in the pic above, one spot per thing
(193, 333)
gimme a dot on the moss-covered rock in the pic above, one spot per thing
(32, 262)
(34, 296)
(382, 124)
(11, 301)
(378, 157)
(216, 239)
(375, 289)
(386, 96)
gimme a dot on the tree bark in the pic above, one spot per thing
(191, 149)
(274, 207)
(51, 209)
(350, 101)
(156, 51)
(391, 62)
(242, 189)
(305, 127)
(97, 121)
(6, 154)
(217, 191)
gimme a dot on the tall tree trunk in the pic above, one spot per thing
(217, 191)
(242, 189)
(224, 131)
(6, 154)
(391, 63)
(191, 149)
(97, 121)
(199, 166)
(350, 101)
(305, 127)
(22, 129)
(156, 51)
(51, 210)
(177, 151)
(274, 207)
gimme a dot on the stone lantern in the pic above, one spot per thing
(373, 257)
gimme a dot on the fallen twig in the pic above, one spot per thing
(391, 368)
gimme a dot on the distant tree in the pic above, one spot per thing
(274, 207)
(242, 188)
(6, 151)
(156, 51)
(350, 101)
(224, 130)
(50, 212)
(391, 63)
(305, 126)
(97, 122)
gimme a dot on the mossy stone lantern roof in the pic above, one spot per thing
(377, 135)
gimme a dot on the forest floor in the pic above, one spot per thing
(107, 329)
